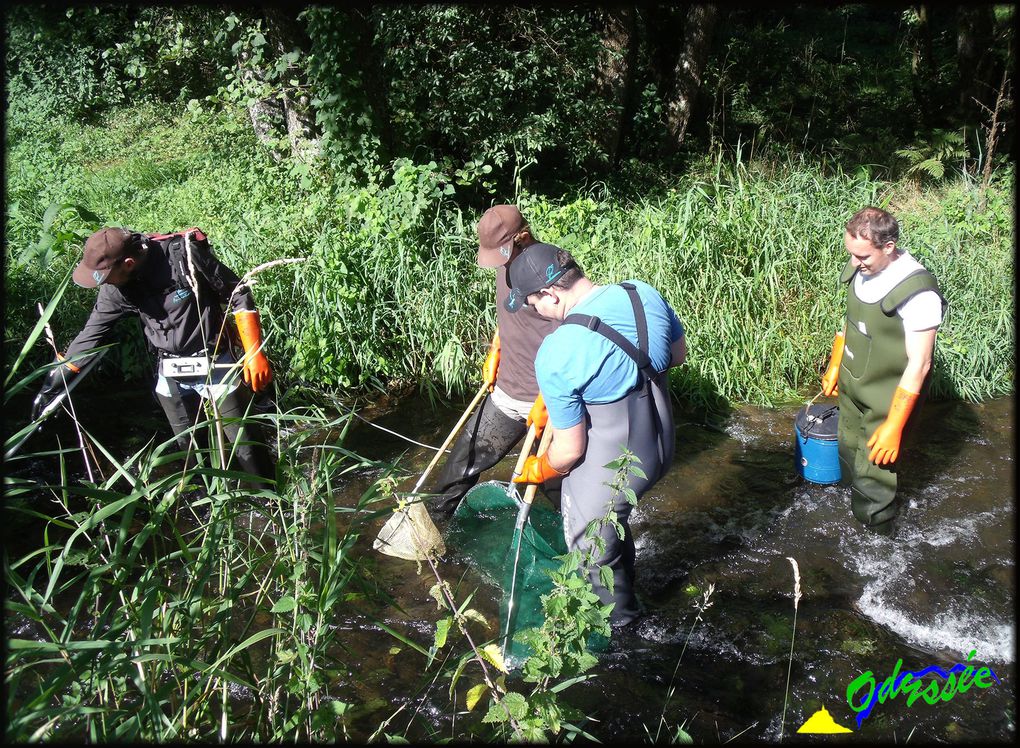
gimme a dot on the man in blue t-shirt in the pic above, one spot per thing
(603, 379)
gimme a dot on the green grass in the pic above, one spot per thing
(750, 259)
(747, 253)
(170, 605)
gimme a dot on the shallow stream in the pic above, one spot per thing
(729, 513)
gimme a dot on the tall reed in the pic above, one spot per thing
(162, 604)
(793, 637)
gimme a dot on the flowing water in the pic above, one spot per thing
(727, 516)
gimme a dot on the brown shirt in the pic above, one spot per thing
(520, 335)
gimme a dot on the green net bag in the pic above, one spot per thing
(483, 533)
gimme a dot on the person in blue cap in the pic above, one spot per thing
(508, 370)
(602, 375)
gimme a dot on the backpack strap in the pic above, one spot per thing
(178, 256)
(199, 235)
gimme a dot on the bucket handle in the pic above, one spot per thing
(816, 419)
(810, 419)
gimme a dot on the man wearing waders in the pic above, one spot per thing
(508, 370)
(176, 286)
(880, 361)
(603, 377)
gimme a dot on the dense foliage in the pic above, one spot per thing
(714, 152)
(747, 252)
(565, 92)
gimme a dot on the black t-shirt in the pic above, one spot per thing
(165, 303)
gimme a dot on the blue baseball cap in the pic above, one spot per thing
(537, 267)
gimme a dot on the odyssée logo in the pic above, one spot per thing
(911, 682)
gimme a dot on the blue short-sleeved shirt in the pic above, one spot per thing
(576, 365)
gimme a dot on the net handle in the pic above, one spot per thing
(529, 440)
(456, 429)
(543, 445)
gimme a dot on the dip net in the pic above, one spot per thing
(483, 533)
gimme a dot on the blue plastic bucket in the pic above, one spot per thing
(816, 449)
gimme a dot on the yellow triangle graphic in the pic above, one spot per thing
(821, 722)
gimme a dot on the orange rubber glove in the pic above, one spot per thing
(885, 442)
(538, 470)
(830, 379)
(538, 416)
(491, 365)
(256, 371)
(71, 367)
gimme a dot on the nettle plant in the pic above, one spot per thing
(576, 623)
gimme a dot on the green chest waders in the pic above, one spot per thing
(874, 359)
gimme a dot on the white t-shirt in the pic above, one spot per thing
(922, 312)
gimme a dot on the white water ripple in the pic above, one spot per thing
(959, 632)
(891, 566)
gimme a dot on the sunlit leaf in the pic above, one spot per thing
(491, 653)
(442, 630)
(474, 695)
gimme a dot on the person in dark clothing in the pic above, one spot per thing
(509, 368)
(176, 286)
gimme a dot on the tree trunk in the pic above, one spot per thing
(697, 41)
(266, 114)
(1003, 102)
(287, 34)
(615, 78)
(921, 66)
(974, 37)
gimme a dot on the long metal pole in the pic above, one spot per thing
(522, 518)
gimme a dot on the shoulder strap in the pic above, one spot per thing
(638, 355)
(178, 258)
(639, 315)
(915, 283)
(199, 235)
(848, 272)
(174, 248)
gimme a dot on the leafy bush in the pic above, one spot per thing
(500, 85)
(747, 253)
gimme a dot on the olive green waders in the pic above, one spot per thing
(874, 359)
